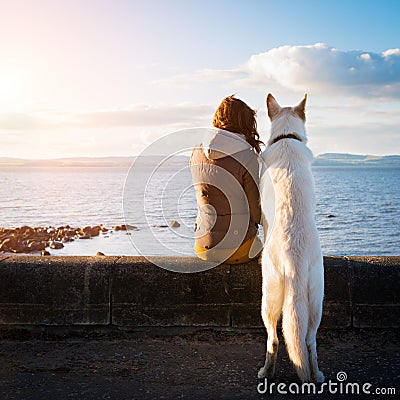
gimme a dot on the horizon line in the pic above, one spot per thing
(158, 155)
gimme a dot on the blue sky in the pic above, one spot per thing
(93, 78)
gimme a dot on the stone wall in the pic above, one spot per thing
(132, 293)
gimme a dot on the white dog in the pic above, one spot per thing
(292, 263)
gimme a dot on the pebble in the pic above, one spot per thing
(124, 227)
(37, 246)
(174, 224)
(55, 245)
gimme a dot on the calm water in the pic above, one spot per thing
(358, 209)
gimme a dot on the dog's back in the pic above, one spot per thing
(293, 224)
(292, 263)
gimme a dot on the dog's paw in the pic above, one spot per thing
(319, 377)
(266, 372)
(262, 373)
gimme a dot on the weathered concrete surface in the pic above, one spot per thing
(145, 295)
(204, 365)
(337, 312)
(376, 295)
(55, 290)
(132, 293)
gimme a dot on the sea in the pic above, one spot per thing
(358, 208)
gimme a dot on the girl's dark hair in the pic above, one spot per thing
(235, 115)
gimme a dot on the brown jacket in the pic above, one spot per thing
(225, 175)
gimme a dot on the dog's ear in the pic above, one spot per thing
(273, 106)
(300, 108)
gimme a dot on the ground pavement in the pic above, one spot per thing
(197, 365)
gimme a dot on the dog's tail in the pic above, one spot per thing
(295, 326)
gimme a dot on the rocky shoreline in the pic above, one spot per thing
(27, 239)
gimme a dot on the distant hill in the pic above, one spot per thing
(353, 160)
(68, 162)
(328, 159)
(108, 162)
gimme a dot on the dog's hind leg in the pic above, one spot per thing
(271, 308)
(316, 291)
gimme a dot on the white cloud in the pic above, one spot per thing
(391, 52)
(19, 121)
(144, 115)
(319, 67)
(365, 57)
(172, 116)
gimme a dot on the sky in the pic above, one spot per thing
(107, 78)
